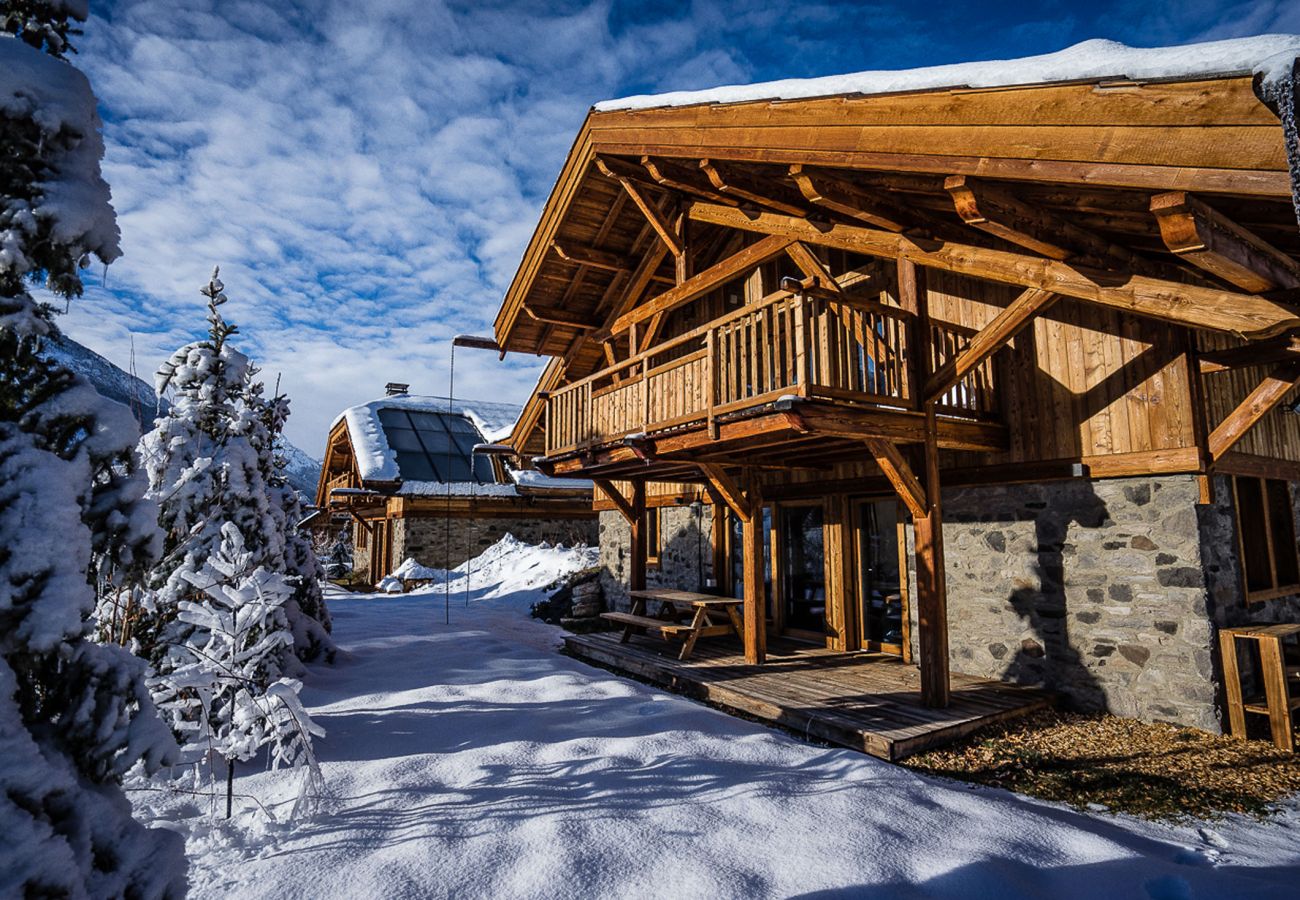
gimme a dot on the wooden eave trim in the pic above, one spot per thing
(566, 185)
(338, 431)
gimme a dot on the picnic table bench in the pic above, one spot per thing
(704, 611)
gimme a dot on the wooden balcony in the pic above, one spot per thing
(844, 353)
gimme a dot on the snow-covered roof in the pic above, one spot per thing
(1270, 54)
(376, 461)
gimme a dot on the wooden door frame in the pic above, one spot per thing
(904, 649)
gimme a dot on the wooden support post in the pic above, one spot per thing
(931, 581)
(755, 590)
(636, 570)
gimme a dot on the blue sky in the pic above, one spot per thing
(368, 173)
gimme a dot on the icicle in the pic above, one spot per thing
(1279, 90)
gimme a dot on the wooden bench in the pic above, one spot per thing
(1276, 674)
(668, 623)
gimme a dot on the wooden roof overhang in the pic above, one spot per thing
(1062, 173)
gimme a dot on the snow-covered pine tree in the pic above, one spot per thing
(74, 715)
(211, 461)
(309, 618)
(225, 691)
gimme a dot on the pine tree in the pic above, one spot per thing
(225, 690)
(74, 715)
(212, 460)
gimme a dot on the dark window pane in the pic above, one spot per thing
(1281, 518)
(393, 418)
(483, 470)
(427, 420)
(415, 467)
(460, 425)
(403, 439)
(1254, 541)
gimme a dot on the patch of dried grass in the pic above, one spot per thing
(1157, 771)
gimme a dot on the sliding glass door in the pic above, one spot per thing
(881, 612)
(803, 571)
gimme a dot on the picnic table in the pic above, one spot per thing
(710, 616)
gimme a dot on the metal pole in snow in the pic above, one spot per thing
(446, 518)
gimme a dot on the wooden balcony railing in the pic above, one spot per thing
(850, 351)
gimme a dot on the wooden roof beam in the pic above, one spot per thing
(653, 214)
(747, 189)
(1189, 305)
(553, 316)
(995, 210)
(680, 179)
(847, 199)
(813, 268)
(591, 256)
(988, 340)
(1210, 240)
(1266, 395)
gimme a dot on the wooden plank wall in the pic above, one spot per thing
(1083, 381)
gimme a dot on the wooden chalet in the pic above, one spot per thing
(403, 473)
(985, 367)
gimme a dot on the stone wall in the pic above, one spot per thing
(426, 538)
(1091, 588)
(685, 562)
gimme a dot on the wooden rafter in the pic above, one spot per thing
(621, 503)
(988, 340)
(652, 213)
(847, 199)
(554, 316)
(899, 474)
(677, 178)
(590, 256)
(1184, 304)
(1210, 240)
(746, 189)
(716, 275)
(1266, 395)
(996, 211)
(727, 489)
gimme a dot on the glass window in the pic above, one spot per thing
(1266, 537)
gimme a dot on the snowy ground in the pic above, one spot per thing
(472, 760)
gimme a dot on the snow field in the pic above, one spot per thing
(473, 760)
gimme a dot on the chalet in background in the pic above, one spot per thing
(404, 470)
(1064, 288)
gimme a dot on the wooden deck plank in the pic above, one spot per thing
(867, 701)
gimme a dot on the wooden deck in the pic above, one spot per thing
(867, 701)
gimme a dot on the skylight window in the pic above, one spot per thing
(433, 446)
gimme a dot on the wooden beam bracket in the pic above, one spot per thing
(728, 490)
(1210, 240)
(1266, 395)
(900, 476)
(621, 503)
(987, 341)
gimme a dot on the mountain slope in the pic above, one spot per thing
(116, 384)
